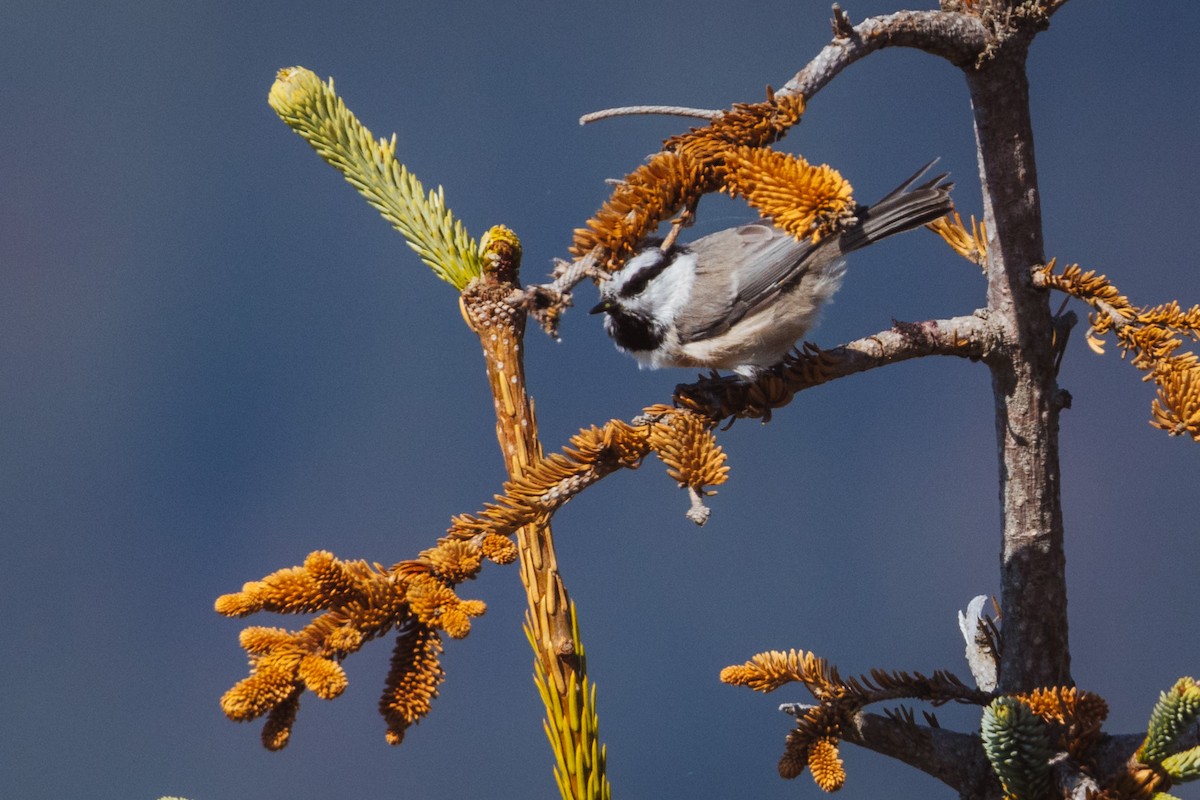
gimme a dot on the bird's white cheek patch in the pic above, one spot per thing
(671, 291)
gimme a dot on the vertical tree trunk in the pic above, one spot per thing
(1033, 582)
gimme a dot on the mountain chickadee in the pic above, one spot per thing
(740, 298)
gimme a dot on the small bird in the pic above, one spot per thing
(741, 298)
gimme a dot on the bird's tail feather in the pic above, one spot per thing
(904, 208)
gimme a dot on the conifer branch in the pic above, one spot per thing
(551, 624)
(689, 166)
(1018, 748)
(724, 397)
(313, 110)
(357, 602)
(838, 714)
(1152, 336)
(1176, 710)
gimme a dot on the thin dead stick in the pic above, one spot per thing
(630, 111)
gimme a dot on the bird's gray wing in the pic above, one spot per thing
(738, 270)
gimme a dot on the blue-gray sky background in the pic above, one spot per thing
(216, 358)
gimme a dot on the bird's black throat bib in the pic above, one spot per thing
(633, 332)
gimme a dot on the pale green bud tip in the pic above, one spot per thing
(294, 87)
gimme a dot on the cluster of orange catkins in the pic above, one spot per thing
(1153, 337)
(682, 438)
(358, 602)
(814, 741)
(726, 156)
(1074, 717)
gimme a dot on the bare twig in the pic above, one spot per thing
(545, 302)
(959, 38)
(631, 111)
(684, 220)
(1063, 324)
(971, 336)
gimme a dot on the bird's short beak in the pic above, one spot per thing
(602, 306)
